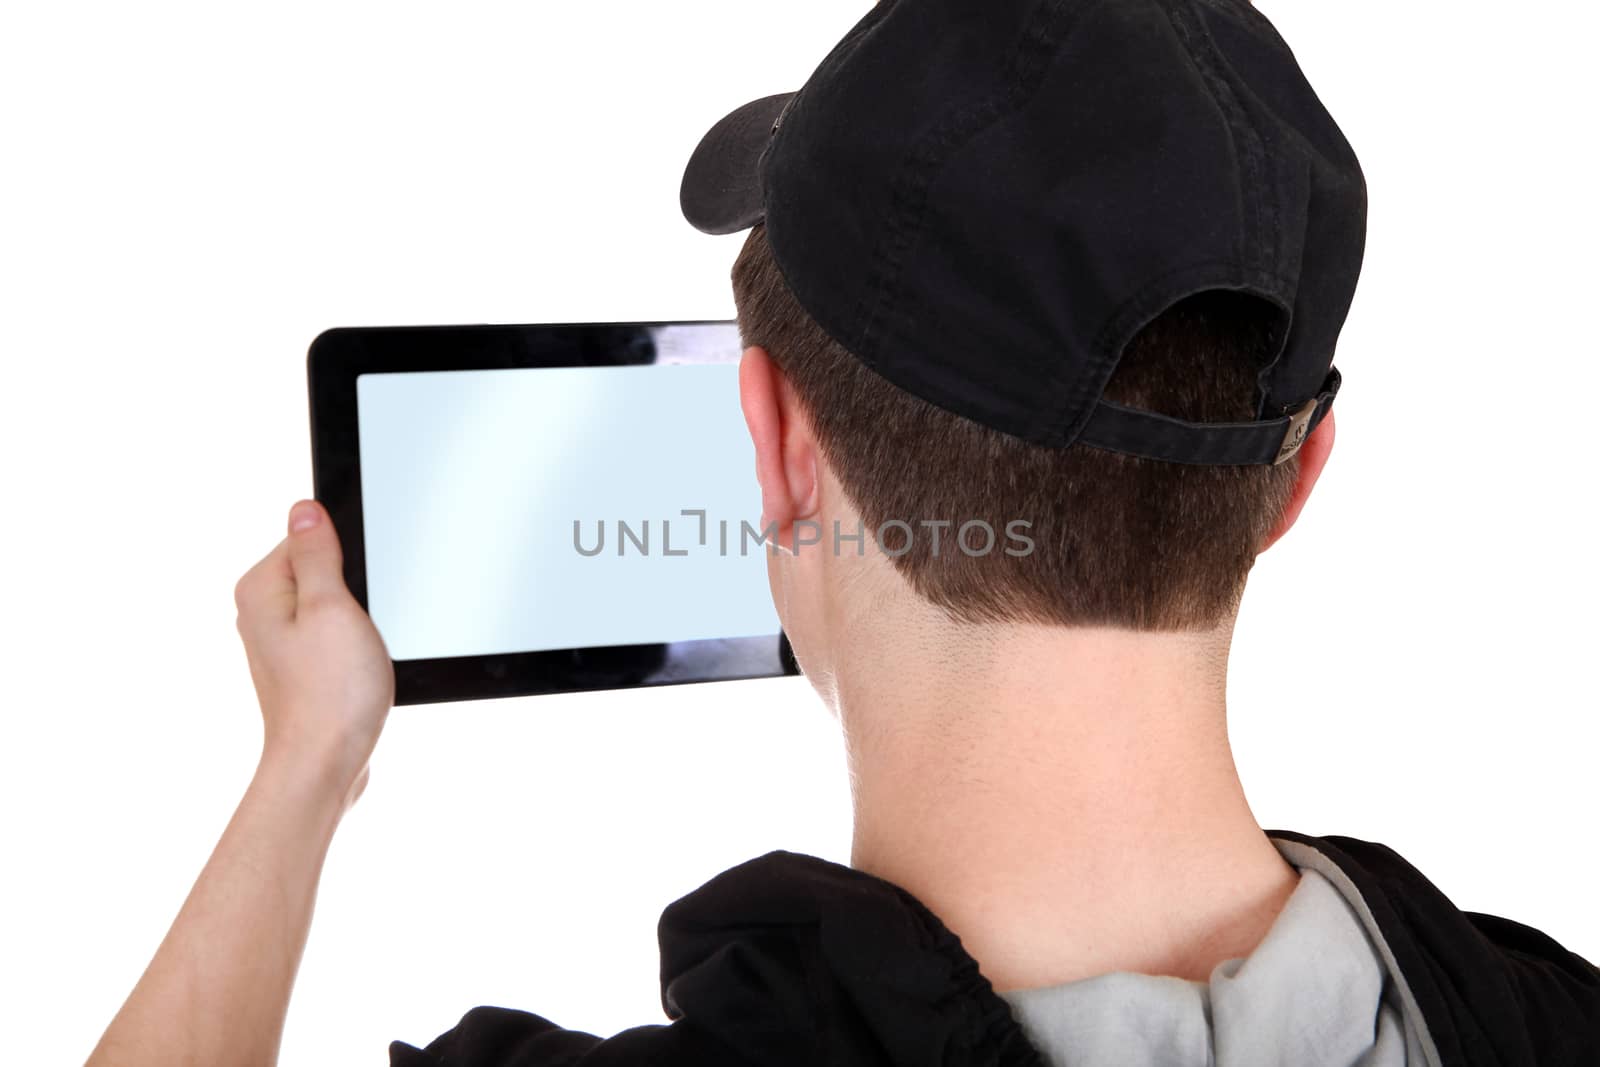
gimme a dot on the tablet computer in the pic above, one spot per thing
(550, 508)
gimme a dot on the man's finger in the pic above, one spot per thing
(266, 592)
(314, 554)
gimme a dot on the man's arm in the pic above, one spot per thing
(218, 987)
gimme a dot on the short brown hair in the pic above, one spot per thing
(1117, 540)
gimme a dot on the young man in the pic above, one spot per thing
(1042, 297)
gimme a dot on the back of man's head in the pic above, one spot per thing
(1079, 268)
(1108, 539)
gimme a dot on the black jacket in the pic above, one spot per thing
(791, 960)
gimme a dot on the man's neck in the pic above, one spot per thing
(1065, 800)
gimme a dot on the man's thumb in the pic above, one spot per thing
(314, 554)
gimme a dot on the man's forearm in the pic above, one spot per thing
(217, 990)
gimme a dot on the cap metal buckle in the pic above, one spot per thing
(1294, 435)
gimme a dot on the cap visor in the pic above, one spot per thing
(721, 190)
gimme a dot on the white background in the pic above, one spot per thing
(191, 192)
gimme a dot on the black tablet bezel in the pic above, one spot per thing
(338, 356)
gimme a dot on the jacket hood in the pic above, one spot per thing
(791, 958)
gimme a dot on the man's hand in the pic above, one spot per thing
(218, 987)
(321, 672)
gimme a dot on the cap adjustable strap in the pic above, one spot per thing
(1267, 441)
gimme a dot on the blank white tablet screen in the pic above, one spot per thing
(471, 482)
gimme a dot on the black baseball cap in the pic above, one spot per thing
(984, 200)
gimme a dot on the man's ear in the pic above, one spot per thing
(1313, 457)
(786, 453)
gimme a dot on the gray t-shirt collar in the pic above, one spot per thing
(1315, 991)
